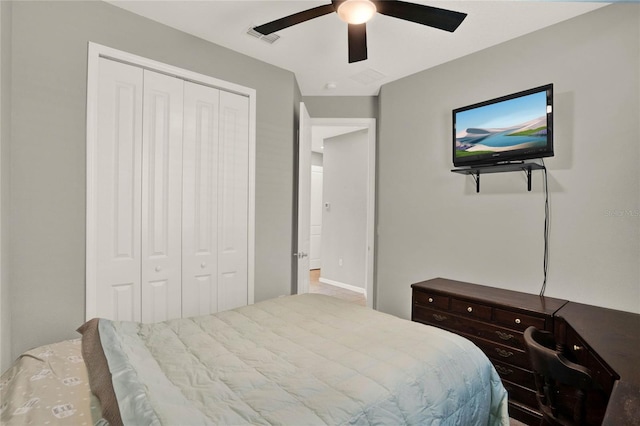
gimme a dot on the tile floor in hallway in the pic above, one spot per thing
(315, 286)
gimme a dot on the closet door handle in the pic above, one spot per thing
(158, 269)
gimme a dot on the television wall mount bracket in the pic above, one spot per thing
(476, 171)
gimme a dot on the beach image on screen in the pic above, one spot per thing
(513, 124)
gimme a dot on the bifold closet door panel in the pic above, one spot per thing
(117, 188)
(161, 197)
(233, 201)
(200, 200)
(168, 188)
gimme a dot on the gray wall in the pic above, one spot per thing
(5, 167)
(432, 223)
(49, 61)
(342, 106)
(316, 159)
(344, 233)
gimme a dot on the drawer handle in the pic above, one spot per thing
(431, 300)
(503, 370)
(469, 309)
(503, 353)
(504, 336)
(518, 321)
(577, 348)
(439, 317)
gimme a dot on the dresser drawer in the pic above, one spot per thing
(471, 309)
(492, 332)
(514, 374)
(470, 326)
(517, 320)
(431, 299)
(521, 394)
(438, 318)
(503, 353)
(508, 337)
(524, 413)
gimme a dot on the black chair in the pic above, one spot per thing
(561, 385)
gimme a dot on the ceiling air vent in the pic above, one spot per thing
(368, 76)
(270, 38)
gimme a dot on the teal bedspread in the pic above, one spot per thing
(299, 360)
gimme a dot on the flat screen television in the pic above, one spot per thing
(510, 128)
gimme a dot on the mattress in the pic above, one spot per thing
(49, 385)
(304, 359)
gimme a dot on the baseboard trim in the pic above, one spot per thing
(343, 285)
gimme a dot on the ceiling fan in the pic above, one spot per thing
(357, 12)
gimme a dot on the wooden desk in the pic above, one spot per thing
(614, 338)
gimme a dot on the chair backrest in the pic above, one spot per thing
(554, 374)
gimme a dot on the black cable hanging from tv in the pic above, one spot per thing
(545, 261)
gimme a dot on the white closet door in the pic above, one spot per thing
(199, 203)
(161, 197)
(168, 188)
(117, 189)
(233, 201)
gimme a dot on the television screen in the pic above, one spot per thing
(506, 129)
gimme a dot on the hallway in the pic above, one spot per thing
(315, 286)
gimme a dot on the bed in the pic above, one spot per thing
(49, 385)
(296, 360)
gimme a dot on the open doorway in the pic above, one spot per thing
(340, 171)
(319, 287)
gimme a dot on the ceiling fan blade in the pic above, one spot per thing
(296, 18)
(357, 42)
(443, 19)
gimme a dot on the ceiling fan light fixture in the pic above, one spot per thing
(356, 11)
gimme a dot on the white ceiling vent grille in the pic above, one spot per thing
(368, 76)
(270, 38)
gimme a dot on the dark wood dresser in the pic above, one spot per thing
(605, 340)
(495, 320)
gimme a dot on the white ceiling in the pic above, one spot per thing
(316, 50)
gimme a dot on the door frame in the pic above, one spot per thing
(97, 51)
(370, 125)
(303, 197)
